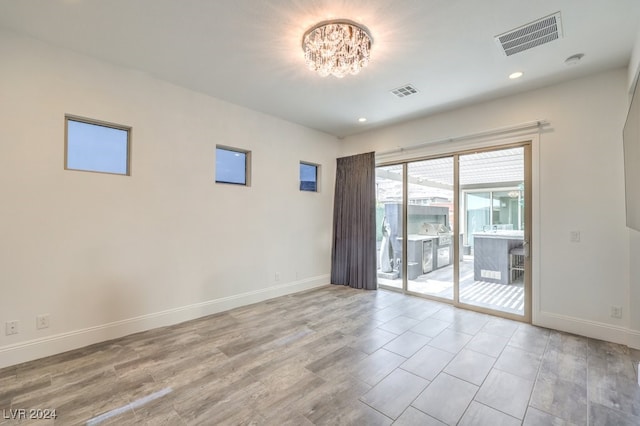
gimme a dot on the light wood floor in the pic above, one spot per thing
(334, 356)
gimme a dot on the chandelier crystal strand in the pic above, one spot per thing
(337, 47)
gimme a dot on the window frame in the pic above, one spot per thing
(317, 167)
(247, 165)
(100, 123)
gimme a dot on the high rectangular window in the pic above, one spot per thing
(308, 177)
(232, 165)
(96, 146)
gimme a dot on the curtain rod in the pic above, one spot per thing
(500, 130)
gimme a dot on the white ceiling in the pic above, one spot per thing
(248, 51)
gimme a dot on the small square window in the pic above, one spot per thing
(232, 166)
(95, 146)
(308, 177)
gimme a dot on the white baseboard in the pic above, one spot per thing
(634, 341)
(52, 345)
(587, 328)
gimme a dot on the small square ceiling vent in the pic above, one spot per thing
(404, 91)
(528, 36)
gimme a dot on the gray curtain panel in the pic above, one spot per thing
(353, 254)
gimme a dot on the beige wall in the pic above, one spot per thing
(578, 185)
(634, 62)
(108, 255)
(634, 236)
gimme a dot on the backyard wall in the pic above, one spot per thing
(578, 186)
(107, 255)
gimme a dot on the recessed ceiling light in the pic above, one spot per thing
(574, 59)
(362, 119)
(515, 75)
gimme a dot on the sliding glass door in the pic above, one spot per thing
(430, 216)
(389, 220)
(493, 209)
(472, 207)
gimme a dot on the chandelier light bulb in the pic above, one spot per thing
(338, 47)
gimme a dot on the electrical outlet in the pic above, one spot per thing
(574, 236)
(616, 311)
(11, 327)
(277, 276)
(42, 321)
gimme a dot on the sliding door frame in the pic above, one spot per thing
(528, 225)
(528, 284)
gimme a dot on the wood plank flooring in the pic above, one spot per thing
(333, 356)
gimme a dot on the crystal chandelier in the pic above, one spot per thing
(337, 47)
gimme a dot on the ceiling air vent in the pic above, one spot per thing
(531, 35)
(404, 91)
